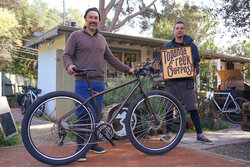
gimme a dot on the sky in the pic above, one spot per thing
(83, 5)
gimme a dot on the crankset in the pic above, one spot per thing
(104, 132)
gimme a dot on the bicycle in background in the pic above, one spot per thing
(28, 97)
(232, 107)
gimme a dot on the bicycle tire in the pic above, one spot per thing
(42, 136)
(236, 116)
(147, 135)
(20, 99)
(25, 104)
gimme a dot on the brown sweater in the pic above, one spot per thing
(86, 51)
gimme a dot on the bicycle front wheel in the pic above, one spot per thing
(235, 114)
(25, 104)
(57, 142)
(147, 133)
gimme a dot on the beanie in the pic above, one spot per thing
(92, 9)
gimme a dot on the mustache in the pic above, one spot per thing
(93, 23)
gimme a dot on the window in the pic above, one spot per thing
(126, 58)
(230, 65)
(129, 58)
(111, 71)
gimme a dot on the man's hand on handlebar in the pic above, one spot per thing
(70, 69)
(132, 71)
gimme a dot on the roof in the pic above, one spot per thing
(226, 57)
(143, 41)
(50, 34)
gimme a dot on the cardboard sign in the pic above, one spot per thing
(7, 123)
(177, 63)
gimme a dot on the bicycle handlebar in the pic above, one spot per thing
(145, 69)
(79, 70)
(27, 88)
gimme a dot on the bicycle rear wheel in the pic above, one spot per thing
(235, 115)
(55, 142)
(25, 104)
(145, 133)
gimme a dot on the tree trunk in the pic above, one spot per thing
(104, 11)
(116, 16)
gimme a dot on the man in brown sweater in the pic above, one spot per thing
(87, 48)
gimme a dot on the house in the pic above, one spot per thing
(129, 49)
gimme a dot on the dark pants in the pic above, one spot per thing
(81, 137)
(179, 88)
(82, 89)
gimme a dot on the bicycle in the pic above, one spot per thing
(52, 138)
(232, 107)
(29, 96)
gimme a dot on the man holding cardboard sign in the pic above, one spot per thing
(179, 66)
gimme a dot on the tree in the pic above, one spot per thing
(236, 14)
(241, 49)
(32, 17)
(200, 23)
(8, 32)
(20, 20)
(74, 15)
(126, 11)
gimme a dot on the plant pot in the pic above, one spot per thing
(190, 125)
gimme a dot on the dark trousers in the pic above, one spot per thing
(194, 116)
(81, 137)
(177, 89)
(82, 89)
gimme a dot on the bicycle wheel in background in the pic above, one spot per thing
(25, 104)
(235, 116)
(146, 134)
(53, 142)
(20, 99)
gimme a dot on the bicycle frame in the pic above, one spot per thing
(32, 95)
(95, 94)
(229, 95)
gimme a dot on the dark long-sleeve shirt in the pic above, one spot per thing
(188, 41)
(86, 51)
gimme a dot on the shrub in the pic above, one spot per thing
(118, 95)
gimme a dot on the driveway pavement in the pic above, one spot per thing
(188, 153)
(125, 155)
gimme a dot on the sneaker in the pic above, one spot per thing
(97, 149)
(203, 139)
(82, 159)
(166, 138)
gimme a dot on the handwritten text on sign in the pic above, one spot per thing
(177, 62)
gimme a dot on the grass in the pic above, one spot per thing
(224, 126)
(12, 141)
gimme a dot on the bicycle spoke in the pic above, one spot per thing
(148, 132)
(54, 137)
